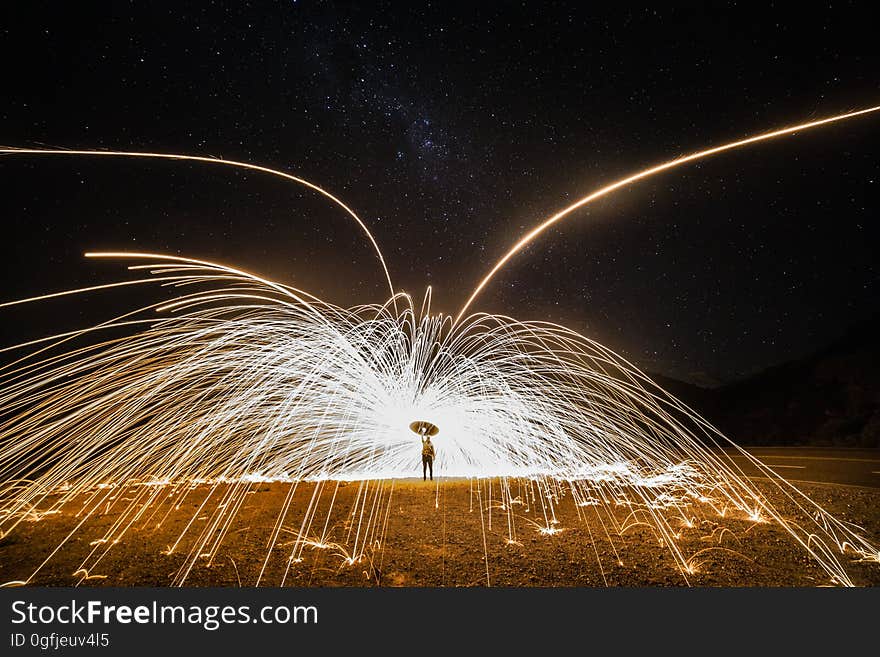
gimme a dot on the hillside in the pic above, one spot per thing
(831, 397)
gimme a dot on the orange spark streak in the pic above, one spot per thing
(217, 160)
(647, 173)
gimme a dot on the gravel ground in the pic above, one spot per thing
(434, 535)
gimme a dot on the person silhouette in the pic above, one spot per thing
(427, 458)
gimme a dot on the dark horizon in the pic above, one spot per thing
(452, 131)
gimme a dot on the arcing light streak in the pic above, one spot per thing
(218, 160)
(647, 173)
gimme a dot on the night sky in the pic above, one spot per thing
(452, 129)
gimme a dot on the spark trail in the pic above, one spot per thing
(216, 161)
(533, 234)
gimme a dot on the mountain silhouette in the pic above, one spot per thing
(831, 397)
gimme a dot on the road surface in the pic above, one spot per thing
(823, 465)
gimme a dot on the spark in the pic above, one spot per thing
(550, 531)
(239, 380)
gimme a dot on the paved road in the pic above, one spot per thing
(826, 465)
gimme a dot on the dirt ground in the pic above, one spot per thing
(423, 534)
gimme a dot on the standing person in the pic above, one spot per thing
(427, 458)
